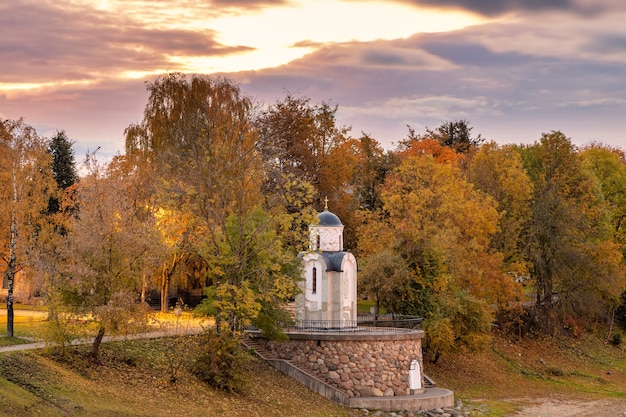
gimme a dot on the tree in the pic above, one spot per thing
(384, 278)
(63, 162)
(110, 243)
(25, 190)
(609, 167)
(200, 138)
(442, 228)
(415, 145)
(296, 137)
(574, 262)
(370, 171)
(61, 206)
(499, 172)
(456, 135)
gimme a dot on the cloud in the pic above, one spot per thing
(532, 68)
(248, 4)
(43, 42)
(512, 80)
(500, 7)
(92, 115)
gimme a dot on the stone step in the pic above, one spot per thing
(259, 349)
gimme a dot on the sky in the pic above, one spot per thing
(513, 69)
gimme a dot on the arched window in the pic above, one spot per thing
(318, 242)
(314, 281)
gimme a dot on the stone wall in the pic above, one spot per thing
(360, 366)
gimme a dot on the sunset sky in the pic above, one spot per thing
(512, 68)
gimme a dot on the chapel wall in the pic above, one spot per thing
(360, 368)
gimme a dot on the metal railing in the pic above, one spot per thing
(388, 325)
(391, 320)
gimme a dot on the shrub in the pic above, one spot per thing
(221, 362)
(617, 339)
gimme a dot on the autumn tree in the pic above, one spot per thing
(574, 261)
(442, 228)
(415, 145)
(199, 135)
(25, 190)
(499, 172)
(302, 139)
(608, 165)
(110, 242)
(62, 205)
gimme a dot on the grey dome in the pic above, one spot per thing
(328, 219)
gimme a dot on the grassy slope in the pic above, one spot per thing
(127, 385)
(128, 382)
(510, 373)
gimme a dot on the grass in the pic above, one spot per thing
(363, 306)
(510, 372)
(10, 341)
(29, 327)
(131, 379)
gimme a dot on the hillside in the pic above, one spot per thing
(132, 382)
(132, 379)
(513, 375)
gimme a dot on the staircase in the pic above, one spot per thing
(259, 349)
(428, 382)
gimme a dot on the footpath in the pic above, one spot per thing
(167, 330)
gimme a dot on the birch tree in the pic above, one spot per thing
(25, 189)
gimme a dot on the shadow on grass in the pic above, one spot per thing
(10, 341)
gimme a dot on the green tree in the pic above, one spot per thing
(63, 162)
(575, 263)
(371, 166)
(25, 189)
(384, 278)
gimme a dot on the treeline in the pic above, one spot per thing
(217, 188)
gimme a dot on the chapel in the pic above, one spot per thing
(329, 288)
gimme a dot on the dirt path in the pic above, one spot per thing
(549, 407)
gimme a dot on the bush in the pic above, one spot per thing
(221, 362)
(617, 339)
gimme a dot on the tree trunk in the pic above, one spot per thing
(165, 289)
(144, 285)
(165, 283)
(12, 264)
(96, 343)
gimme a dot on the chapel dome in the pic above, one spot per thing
(328, 219)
